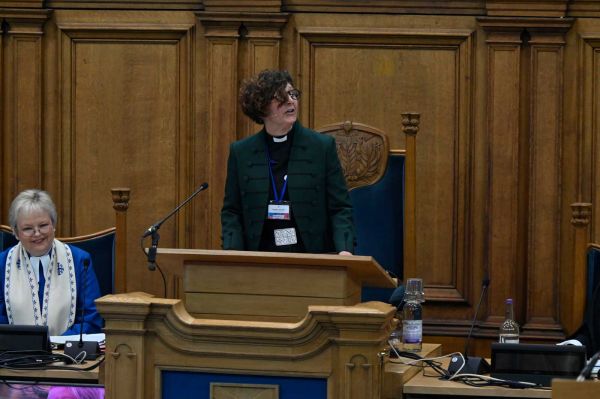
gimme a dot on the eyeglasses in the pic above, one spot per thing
(293, 94)
(30, 231)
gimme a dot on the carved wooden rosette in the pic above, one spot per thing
(410, 122)
(363, 151)
(581, 212)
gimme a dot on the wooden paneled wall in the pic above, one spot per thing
(143, 94)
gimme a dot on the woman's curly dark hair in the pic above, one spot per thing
(257, 92)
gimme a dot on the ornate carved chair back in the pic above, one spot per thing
(375, 178)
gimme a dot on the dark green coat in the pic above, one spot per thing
(317, 189)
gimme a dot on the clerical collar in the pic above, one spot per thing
(280, 139)
(41, 256)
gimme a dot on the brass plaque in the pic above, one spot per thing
(220, 390)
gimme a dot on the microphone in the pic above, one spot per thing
(587, 370)
(472, 365)
(153, 230)
(397, 297)
(91, 348)
(152, 251)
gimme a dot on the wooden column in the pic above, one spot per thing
(504, 235)
(525, 123)
(410, 127)
(120, 197)
(22, 88)
(575, 297)
(259, 50)
(238, 45)
(544, 137)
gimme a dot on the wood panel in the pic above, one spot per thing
(222, 83)
(589, 149)
(22, 101)
(505, 268)
(125, 118)
(406, 70)
(545, 164)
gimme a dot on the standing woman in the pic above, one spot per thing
(285, 189)
(43, 278)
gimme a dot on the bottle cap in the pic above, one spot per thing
(414, 290)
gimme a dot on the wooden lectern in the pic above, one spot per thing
(269, 286)
(255, 323)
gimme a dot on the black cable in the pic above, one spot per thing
(435, 366)
(468, 379)
(33, 360)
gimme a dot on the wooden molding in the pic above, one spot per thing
(584, 8)
(497, 23)
(22, 4)
(467, 7)
(527, 8)
(240, 24)
(243, 5)
(126, 4)
(25, 21)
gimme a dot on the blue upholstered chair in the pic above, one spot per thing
(7, 238)
(593, 273)
(108, 254)
(375, 178)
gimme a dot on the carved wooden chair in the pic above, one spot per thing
(377, 180)
(107, 248)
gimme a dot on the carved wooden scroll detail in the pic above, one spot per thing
(363, 151)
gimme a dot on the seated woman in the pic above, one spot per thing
(44, 278)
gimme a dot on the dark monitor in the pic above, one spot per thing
(537, 363)
(14, 337)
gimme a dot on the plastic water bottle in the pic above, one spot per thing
(509, 329)
(412, 320)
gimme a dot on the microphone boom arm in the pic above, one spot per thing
(154, 228)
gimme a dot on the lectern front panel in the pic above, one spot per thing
(266, 292)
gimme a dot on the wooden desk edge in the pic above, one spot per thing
(422, 385)
(396, 375)
(93, 376)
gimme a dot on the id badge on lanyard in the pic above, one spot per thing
(279, 210)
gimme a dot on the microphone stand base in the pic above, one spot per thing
(74, 348)
(475, 365)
